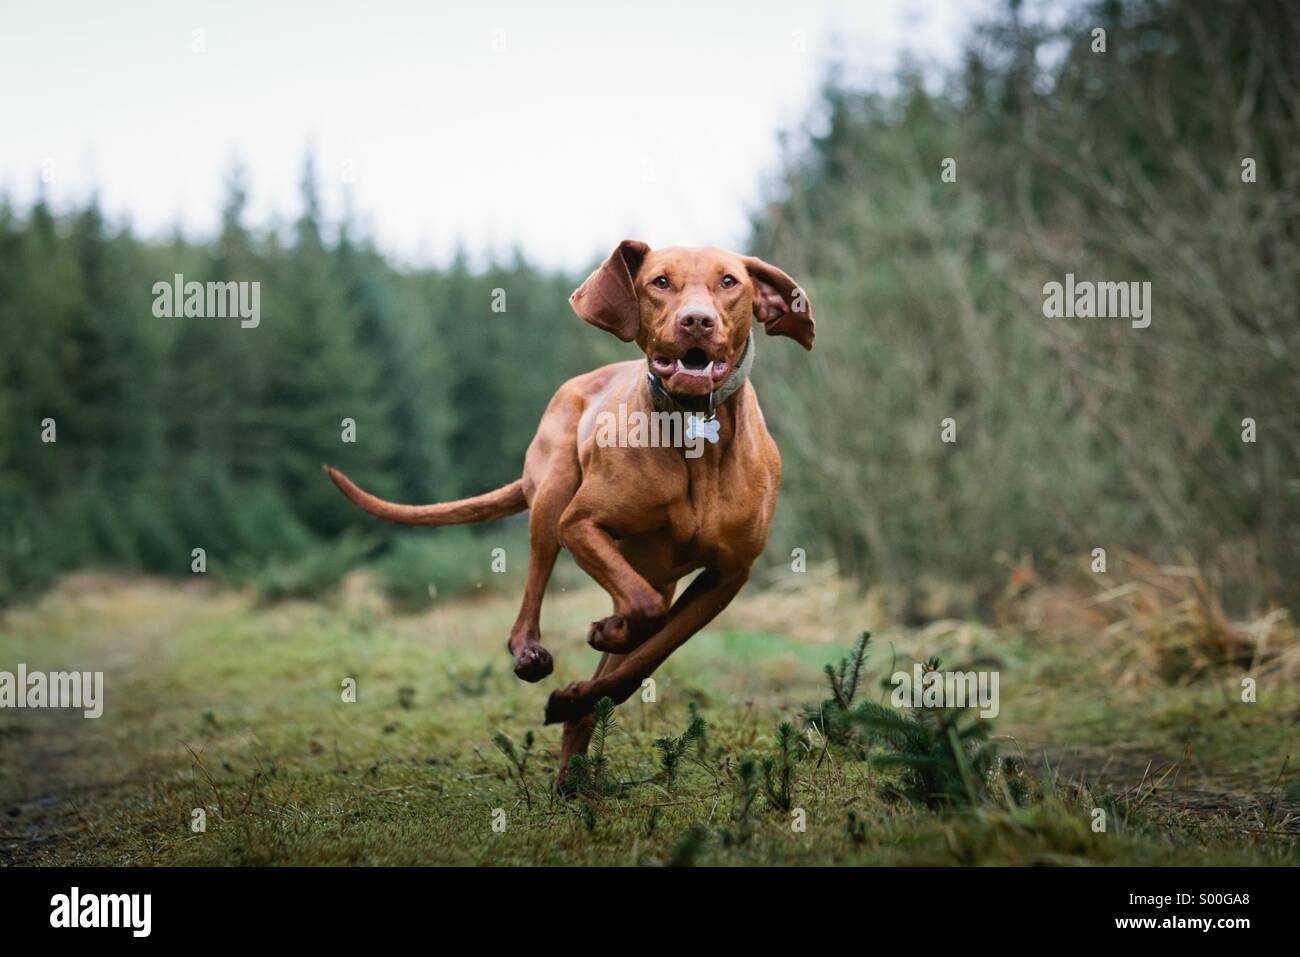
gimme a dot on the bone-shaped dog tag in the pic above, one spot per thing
(698, 428)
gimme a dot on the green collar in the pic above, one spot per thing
(665, 401)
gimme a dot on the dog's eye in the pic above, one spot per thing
(662, 282)
(728, 281)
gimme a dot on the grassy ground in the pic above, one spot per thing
(216, 702)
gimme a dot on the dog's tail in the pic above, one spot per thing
(504, 501)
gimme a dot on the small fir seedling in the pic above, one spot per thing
(689, 745)
(779, 768)
(744, 786)
(588, 774)
(833, 717)
(518, 761)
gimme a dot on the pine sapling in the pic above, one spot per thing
(778, 769)
(588, 774)
(691, 743)
(945, 755)
(744, 793)
(746, 789)
(832, 717)
(518, 759)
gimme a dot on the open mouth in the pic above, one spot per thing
(695, 363)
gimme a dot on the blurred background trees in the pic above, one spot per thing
(1071, 434)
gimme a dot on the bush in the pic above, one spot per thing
(310, 573)
(446, 562)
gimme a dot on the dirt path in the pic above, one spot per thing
(1174, 785)
(46, 754)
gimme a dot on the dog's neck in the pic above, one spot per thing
(665, 401)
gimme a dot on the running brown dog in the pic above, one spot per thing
(639, 519)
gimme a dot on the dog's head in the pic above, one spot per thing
(690, 310)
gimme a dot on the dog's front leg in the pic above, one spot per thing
(532, 662)
(707, 595)
(639, 608)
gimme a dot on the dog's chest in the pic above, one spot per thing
(721, 518)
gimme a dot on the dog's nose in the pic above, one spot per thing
(696, 319)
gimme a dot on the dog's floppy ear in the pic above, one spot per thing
(607, 299)
(779, 304)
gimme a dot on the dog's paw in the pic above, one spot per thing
(533, 662)
(611, 634)
(569, 704)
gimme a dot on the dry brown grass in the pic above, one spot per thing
(1167, 624)
(1155, 623)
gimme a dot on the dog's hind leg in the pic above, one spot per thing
(532, 662)
(577, 733)
(704, 598)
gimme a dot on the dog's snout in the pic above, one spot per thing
(696, 319)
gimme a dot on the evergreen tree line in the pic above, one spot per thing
(1123, 164)
(176, 433)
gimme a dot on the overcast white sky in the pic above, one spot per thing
(562, 127)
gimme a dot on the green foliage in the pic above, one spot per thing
(428, 564)
(779, 768)
(311, 571)
(944, 755)
(589, 774)
(518, 761)
(689, 847)
(746, 788)
(698, 729)
(832, 718)
(180, 433)
(24, 569)
(744, 791)
(856, 828)
(691, 742)
(603, 725)
(928, 297)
